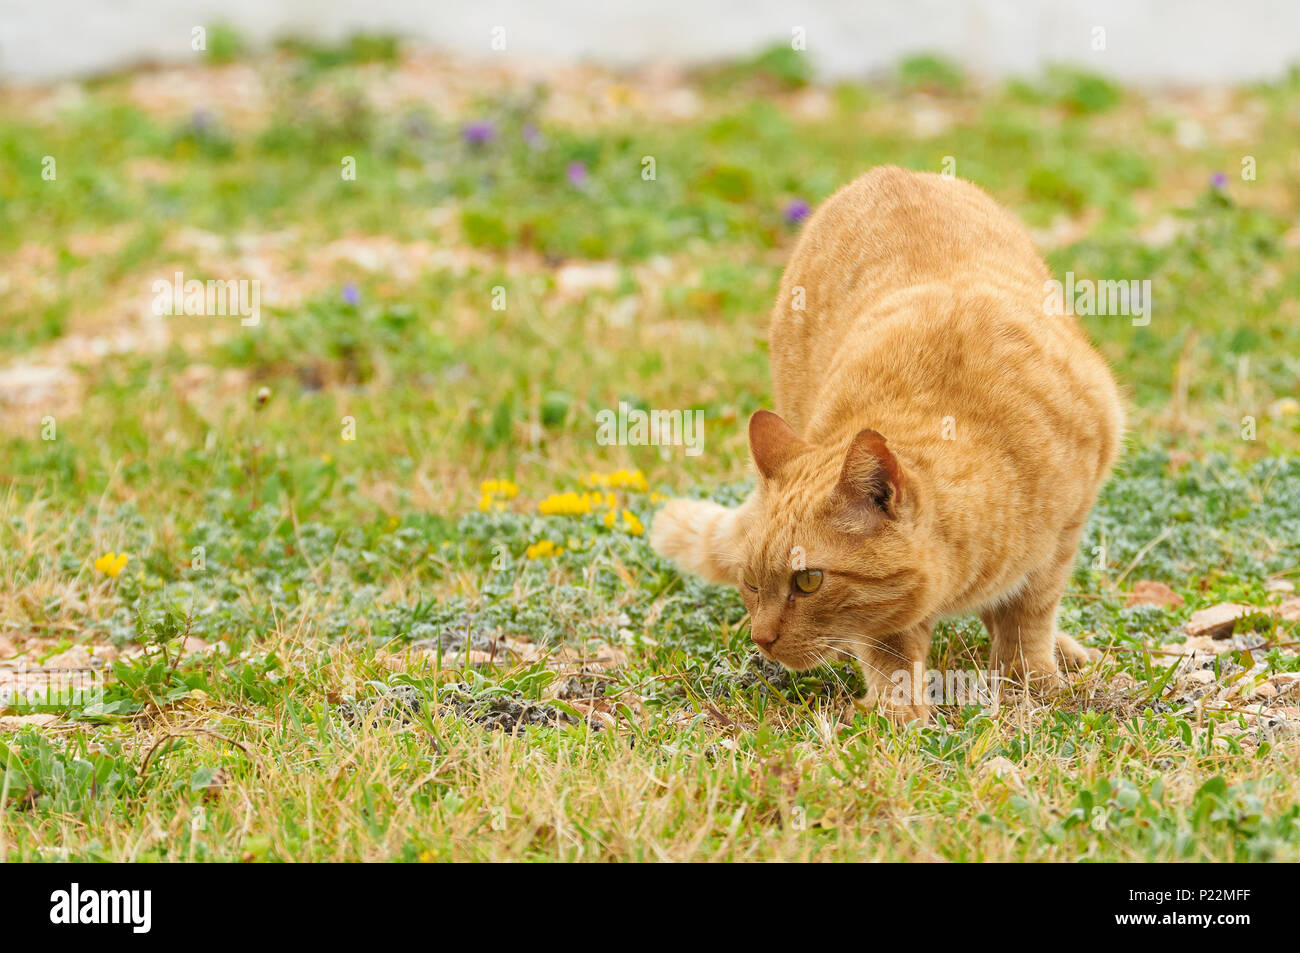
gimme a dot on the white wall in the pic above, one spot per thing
(1147, 41)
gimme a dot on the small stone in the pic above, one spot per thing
(1286, 684)
(1195, 644)
(18, 722)
(1004, 770)
(998, 766)
(577, 278)
(1216, 621)
(1122, 682)
(1148, 592)
(75, 657)
(1289, 611)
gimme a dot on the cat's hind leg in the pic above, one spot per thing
(1027, 646)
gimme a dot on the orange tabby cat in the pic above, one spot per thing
(941, 439)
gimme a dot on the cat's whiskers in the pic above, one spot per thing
(883, 675)
(869, 643)
(823, 662)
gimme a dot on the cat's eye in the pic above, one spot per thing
(752, 587)
(809, 580)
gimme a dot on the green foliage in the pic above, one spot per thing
(779, 66)
(784, 65)
(224, 44)
(355, 49)
(1080, 92)
(931, 73)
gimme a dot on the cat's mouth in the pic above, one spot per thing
(796, 661)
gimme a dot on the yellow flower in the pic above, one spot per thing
(627, 479)
(633, 524)
(616, 94)
(111, 563)
(657, 497)
(609, 519)
(631, 479)
(506, 488)
(542, 548)
(596, 497)
(568, 504)
(491, 489)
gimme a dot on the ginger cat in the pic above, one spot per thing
(940, 441)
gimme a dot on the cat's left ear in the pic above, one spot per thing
(773, 443)
(871, 475)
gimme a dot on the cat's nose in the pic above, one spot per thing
(764, 635)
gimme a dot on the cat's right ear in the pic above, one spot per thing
(871, 475)
(772, 442)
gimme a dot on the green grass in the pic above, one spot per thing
(317, 641)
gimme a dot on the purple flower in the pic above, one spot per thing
(577, 174)
(479, 133)
(351, 294)
(796, 211)
(532, 135)
(1219, 180)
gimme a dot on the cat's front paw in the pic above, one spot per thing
(899, 713)
(906, 714)
(1037, 671)
(1072, 655)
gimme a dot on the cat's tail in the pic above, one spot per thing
(700, 537)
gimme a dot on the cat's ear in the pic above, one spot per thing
(871, 474)
(772, 442)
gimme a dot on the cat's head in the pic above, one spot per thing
(828, 552)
